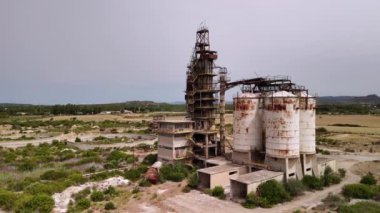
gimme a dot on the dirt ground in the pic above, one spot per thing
(369, 166)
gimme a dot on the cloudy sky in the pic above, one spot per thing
(95, 51)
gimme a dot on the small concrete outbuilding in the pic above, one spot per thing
(242, 185)
(220, 175)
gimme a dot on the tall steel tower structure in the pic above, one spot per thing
(201, 97)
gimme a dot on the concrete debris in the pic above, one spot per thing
(62, 199)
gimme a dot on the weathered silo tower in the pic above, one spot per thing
(307, 106)
(247, 126)
(282, 142)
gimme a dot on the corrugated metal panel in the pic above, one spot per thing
(281, 119)
(247, 123)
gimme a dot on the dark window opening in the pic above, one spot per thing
(234, 172)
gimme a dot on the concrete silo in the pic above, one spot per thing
(282, 131)
(307, 131)
(247, 128)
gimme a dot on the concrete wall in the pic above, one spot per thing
(180, 142)
(307, 163)
(223, 179)
(165, 140)
(238, 189)
(322, 166)
(291, 167)
(204, 180)
(165, 153)
(240, 157)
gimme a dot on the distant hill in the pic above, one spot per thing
(323, 100)
(369, 99)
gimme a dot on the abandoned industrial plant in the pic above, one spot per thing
(273, 128)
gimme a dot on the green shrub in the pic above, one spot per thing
(294, 187)
(218, 191)
(132, 174)
(330, 177)
(376, 192)
(110, 191)
(116, 157)
(150, 159)
(342, 172)
(364, 206)
(176, 172)
(321, 130)
(109, 206)
(77, 140)
(193, 180)
(77, 178)
(82, 194)
(333, 201)
(145, 183)
(251, 201)
(53, 175)
(83, 204)
(368, 179)
(264, 203)
(97, 196)
(312, 182)
(38, 203)
(7, 199)
(27, 165)
(91, 169)
(273, 191)
(47, 188)
(360, 191)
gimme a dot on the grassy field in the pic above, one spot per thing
(353, 133)
(368, 124)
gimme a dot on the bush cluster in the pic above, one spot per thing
(97, 196)
(273, 191)
(253, 201)
(368, 179)
(109, 206)
(150, 159)
(134, 174)
(360, 191)
(218, 191)
(176, 172)
(312, 182)
(363, 206)
(294, 187)
(192, 180)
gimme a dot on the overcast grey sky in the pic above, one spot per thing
(93, 51)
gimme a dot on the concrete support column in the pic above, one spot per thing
(286, 169)
(206, 138)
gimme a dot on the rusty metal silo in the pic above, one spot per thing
(307, 123)
(247, 124)
(281, 120)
